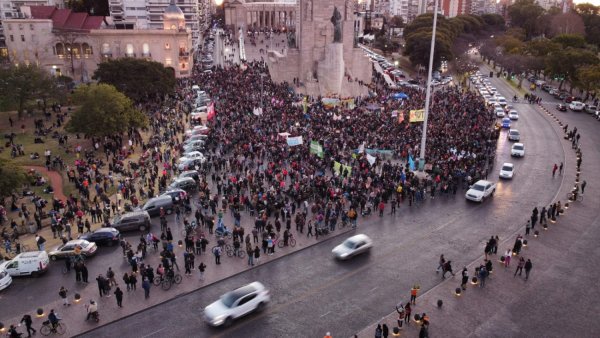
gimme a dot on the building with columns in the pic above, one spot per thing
(73, 44)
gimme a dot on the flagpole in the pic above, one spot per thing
(428, 89)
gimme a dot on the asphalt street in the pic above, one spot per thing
(312, 293)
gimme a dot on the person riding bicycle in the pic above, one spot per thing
(92, 309)
(170, 273)
(221, 242)
(54, 319)
(160, 271)
(286, 237)
(515, 98)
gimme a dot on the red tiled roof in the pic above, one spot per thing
(66, 19)
(42, 12)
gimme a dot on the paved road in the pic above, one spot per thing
(313, 294)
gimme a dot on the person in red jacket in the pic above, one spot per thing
(381, 208)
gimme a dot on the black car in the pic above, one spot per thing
(561, 107)
(103, 236)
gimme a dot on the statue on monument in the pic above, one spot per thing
(336, 20)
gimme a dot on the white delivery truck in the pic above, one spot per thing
(32, 263)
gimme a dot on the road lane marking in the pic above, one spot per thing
(153, 333)
(325, 314)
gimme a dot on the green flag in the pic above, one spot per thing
(316, 148)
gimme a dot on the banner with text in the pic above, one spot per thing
(417, 115)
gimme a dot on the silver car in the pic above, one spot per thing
(352, 246)
(237, 303)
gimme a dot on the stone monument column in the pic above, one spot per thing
(330, 69)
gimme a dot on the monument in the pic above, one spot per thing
(320, 54)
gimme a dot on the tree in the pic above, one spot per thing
(103, 111)
(21, 84)
(541, 47)
(565, 62)
(589, 79)
(525, 14)
(587, 9)
(12, 177)
(396, 22)
(566, 23)
(418, 47)
(138, 79)
(570, 40)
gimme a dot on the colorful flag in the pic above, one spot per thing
(401, 117)
(371, 159)
(211, 111)
(316, 148)
(417, 115)
(411, 163)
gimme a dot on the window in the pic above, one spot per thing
(87, 50)
(129, 50)
(168, 61)
(9, 27)
(23, 38)
(59, 50)
(12, 38)
(246, 299)
(20, 26)
(31, 27)
(105, 48)
(167, 46)
(146, 49)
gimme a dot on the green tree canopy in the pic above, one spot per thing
(12, 177)
(103, 111)
(565, 63)
(525, 14)
(138, 79)
(569, 40)
(21, 84)
(589, 78)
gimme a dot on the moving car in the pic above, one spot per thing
(502, 101)
(32, 263)
(517, 150)
(131, 221)
(184, 183)
(507, 171)
(352, 246)
(237, 303)
(499, 112)
(513, 115)
(561, 107)
(506, 123)
(103, 236)
(72, 248)
(513, 135)
(480, 190)
(576, 106)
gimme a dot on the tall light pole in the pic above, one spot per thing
(428, 90)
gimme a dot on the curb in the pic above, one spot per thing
(211, 283)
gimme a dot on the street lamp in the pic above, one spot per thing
(428, 90)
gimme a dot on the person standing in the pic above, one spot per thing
(41, 242)
(385, 331)
(378, 331)
(146, 287)
(126, 281)
(413, 294)
(133, 282)
(554, 168)
(483, 273)
(507, 256)
(201, 269)
(407, 312)
(440, 264)
(401, 314)
(217, 253)
(256, 254)
(520, 266)
(28, 321)
(63, 294)
(583, 184)
(119, 296)
(528, 267)
(110, 274)
(527, 227)
(84, 273)
(465, 278)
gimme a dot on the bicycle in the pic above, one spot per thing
(571, 197)
(291, 242)
(231, 252)
(167, 281)
(47, 328)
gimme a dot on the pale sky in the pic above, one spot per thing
(593, 2)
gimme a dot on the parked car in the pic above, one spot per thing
(184, 183)
(561, 107)
(176, 194)
(576, 106)
(31, 263)
(513, 135)
(507, 171)
(5, 279)
(190, 173)
(131, 221)
(480, 190)
(499, 112)
(190, 164)
(590, 109)
(153, 205)
(352, 246)
(72, 248)
(517, 150)
(192, 155)
(103, 236)
(237, 303)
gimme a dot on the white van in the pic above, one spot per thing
(5, 279)
(31, 263)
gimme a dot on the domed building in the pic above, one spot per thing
(173, 17)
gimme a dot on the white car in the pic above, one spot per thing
(513, 115)
(513, 135)
(499, 112)
(576, 106)
(352, 246)
(5, 279)
(237, 303)
(502, 101)
(507, 171)
(480, 190)
(192, 155)
(517, 150)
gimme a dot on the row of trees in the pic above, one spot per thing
(453, 36)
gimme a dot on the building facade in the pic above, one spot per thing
(73, 44)
(148, 14)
